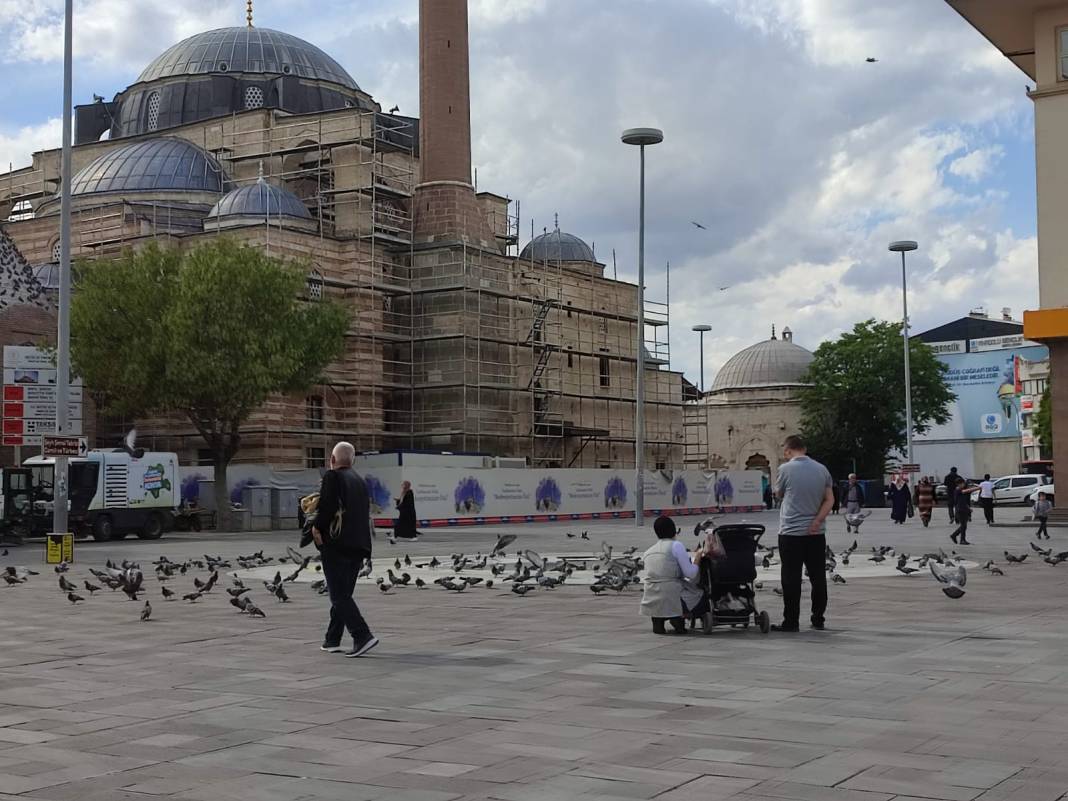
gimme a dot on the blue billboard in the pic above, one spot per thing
(987, 387)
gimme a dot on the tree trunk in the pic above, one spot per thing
(223, 516)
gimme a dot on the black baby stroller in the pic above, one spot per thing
(729, 579)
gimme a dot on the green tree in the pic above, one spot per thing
(853, 412)
(209, 333)
(1043, 422)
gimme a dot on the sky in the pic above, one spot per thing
(800, 159)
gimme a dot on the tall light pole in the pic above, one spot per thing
(642, 137)
(701, 329)
(59, 492)
(903, 247)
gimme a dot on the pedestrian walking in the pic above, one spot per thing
(404, 525)
(854, 495)
(837, 499)
(951, 491)
(963, 512)
(924, 500)
(803, 487)
(1041, 511)
(342, 532)
(900, 501)
(986, 498)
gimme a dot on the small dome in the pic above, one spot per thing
(771, 363)
(557, 246)
(262, 200)
(245, 49)
(162, 164)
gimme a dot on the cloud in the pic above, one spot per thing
(18, 146)
(978, 163)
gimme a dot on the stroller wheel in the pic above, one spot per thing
(706, 623)
(765, 622)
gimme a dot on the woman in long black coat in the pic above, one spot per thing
(900, 501)
(404, 528)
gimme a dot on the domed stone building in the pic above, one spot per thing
(752, 406)
(458, 342)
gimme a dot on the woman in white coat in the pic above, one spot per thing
(669, 591)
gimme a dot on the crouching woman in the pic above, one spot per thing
(669, 589)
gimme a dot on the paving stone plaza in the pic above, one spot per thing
(557, 695)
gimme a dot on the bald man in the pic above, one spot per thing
(345, 545)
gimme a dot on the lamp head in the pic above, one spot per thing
(642, 136)
(904, 246)
(702, 328)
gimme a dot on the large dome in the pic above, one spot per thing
(151, 165)
(249, 50)
(557, 246)
(771, 363)
(257, 203)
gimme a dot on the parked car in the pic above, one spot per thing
(1046, 488)
(1018, 488)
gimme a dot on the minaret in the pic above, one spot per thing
(445, 203)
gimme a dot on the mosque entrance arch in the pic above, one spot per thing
(758, 461)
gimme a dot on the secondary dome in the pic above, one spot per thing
(249, 50)
(771, 363)
(162, 164)
(257, 203)
(557, 246)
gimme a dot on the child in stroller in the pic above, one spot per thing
(729, 577)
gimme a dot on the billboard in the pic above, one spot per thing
(987, 386)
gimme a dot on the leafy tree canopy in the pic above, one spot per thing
(209, 333)
(853, 412)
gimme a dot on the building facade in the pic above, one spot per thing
(457, 342)
(752, 406)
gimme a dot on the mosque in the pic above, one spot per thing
(459, 340)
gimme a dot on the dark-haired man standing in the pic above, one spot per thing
(804, 487)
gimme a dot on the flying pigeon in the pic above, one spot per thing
(503, 541)
(698, 225)
(871, 60)
(953, 579)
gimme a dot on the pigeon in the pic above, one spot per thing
(384, 587)
(569, 535)
(236, 592)
(996, 571)
(254, 610)
(146, 613)
(62, 567)
(953, 579)
(65, 585)
(167, 594)
(777, 590)
(435, 562)
(1040, 551)
(489, 584)
(420, 584)
(503, 541)
(280, 594)
(908, 571)
(191, 597)
(394, 110)
(597, 589)
(396, 564)
(696, 224)
(522, 589)
(74, 598)
(585, 535)
(877, 558)
(239, 603)
(1015, 559)
(13, 579)
(871, 60)
(407, 560)
(91, 587)
(837, 579)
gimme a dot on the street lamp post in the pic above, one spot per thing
(60, 491)
(903, 247)
(641, 137)
(701, 329)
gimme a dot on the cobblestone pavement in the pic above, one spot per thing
(559, 695)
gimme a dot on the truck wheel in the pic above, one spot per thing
(102, 529)
(153, 529)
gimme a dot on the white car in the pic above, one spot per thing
(1018, 488)
(1045, 488)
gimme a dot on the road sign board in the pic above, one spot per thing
(64, 446)
(39, 410)
(910, 468)
(59, 548)
(38, 393)
(10, 440)
(39, 376)
(15, 427)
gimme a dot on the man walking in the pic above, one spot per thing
(951, 493)
(804, 489)
(342, 533)
(986, 498)
(854, 495)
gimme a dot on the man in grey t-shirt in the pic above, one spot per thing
(804, 486)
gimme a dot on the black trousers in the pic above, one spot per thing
(1042, 528)
(796, 552)
(951, 504)
(988, 509)
(962, 525)
(340, 572)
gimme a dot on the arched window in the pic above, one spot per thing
(57, 251)
(253, 97)
(153, 111)
(315, 285)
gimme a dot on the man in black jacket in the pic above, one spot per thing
(950, 483)
(344, 545)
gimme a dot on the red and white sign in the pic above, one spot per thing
(40, 411)
(1027, 403)
(35, 393)
(22, 427)
(910, 468)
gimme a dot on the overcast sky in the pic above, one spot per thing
(801, 159)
